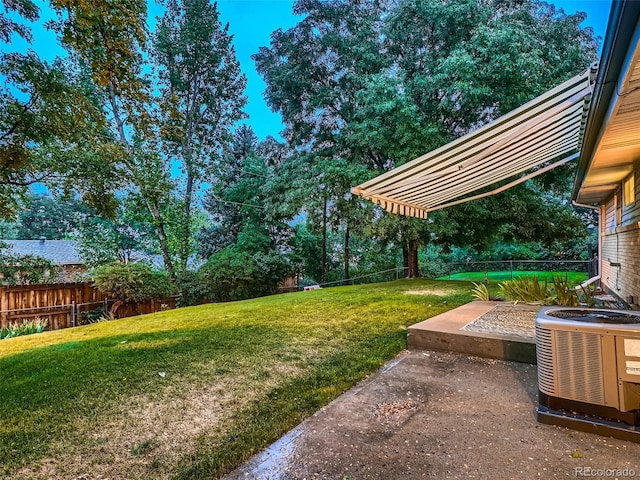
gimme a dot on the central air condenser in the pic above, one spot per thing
(589, 370)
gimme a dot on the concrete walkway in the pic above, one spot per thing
(439, 415)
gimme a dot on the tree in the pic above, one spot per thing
(131, 283)
(45, 116)
(102, 241)
(389, 81)
(201, 94)
(8, 25)
(51, 127)
(241, 203)
(235, 274)
(313, 73)
(108, 38)
(52, 218)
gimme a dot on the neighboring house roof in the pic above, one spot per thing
(611, 142)
(65, 252)
(60, 252)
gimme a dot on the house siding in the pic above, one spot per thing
(620, 249)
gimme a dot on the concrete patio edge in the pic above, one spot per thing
(443, 333)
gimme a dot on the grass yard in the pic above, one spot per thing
(574, 277)
(192, 393)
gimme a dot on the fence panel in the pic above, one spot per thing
(62, 304)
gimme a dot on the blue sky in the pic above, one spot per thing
(252, 22)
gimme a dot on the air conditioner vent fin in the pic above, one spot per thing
(579, 366)
(544, 355)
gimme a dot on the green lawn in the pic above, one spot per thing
(191, 393)
(574, 277)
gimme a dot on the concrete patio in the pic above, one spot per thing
(449, 415)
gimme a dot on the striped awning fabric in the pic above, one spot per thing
(546, 129)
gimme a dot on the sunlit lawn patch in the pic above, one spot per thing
(573, 277)
(195, 391)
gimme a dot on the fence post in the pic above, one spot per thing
(73, 313)
(4, 305)
(511, 268)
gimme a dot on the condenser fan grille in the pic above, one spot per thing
(544, 353)
(579, 366)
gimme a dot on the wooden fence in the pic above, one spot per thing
(63, 304)
(289, 284)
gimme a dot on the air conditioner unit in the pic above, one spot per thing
(589, 370)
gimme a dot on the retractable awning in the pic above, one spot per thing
(546, 129)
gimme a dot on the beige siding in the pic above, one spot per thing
(631, 213)
(620, 251)
(609, 214)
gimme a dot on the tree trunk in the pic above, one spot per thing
(186, 232)
(346, 255)
(114, 308)
(164, 246)
(162, 237)
(323, 266)
(410, 259)
(116, 115)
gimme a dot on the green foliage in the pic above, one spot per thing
(107, 37)
(480, 291)
(202, 96)
(232, 274)
(93, 316)
(499, 276)
(118, 239)
(237, 201)
(564, 293)
(398, 79)
(308, 246)
(192, 288)
(532, 290)
(49, 217)
(45, 117)
(25, 269)
(527, 289)
(8, 24)
(132, 282)
(102, 241)
(26, 327)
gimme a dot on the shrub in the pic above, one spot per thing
(531, 290)
(480, 291)
(565, 294)
(27, 327)
(236, 275)
(527, 289)
(94, 316)
(131, 283)
(192, 288)
(25, 269)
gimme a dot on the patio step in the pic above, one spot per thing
(443, 333)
